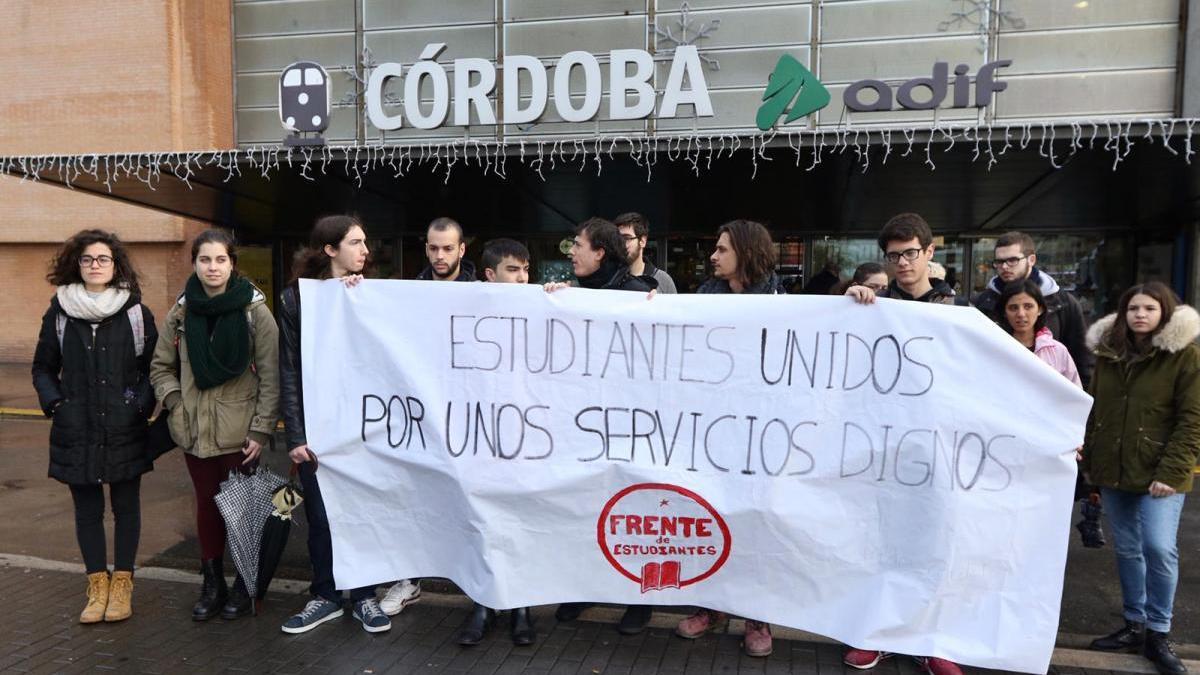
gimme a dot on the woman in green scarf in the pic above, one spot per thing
(216, 369)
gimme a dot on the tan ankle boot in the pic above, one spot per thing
(120, 597)
(97, 594)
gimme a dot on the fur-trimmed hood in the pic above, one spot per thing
(1182, 330)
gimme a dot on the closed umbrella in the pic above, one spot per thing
(275, 535)
(245, 503)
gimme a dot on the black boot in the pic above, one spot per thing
(523, 632)
(239, 603)
(1158, 649)
(634, 620)
(1128, 639)
(569, 611)
(213, 592)
(478, 623)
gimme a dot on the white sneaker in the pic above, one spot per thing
(402, 594)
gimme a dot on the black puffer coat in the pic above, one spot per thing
(99, 431)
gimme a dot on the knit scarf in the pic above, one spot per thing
(225, 354)
(77, 304)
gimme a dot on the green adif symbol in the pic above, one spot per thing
(790, 85)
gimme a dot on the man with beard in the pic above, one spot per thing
(1016, 259)
(444, 248)
(635, 230)
(599, 260)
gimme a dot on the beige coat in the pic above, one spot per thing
(218, 421)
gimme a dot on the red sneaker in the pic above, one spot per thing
(703, 621)
(863, 659)
(758, 638)
(936, 666)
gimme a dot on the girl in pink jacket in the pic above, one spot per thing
(1021, 311)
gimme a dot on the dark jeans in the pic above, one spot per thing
(320, 545)
(89, 523)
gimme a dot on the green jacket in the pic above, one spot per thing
(1145, 422)
(218, 421)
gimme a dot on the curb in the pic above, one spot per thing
(1067, 654)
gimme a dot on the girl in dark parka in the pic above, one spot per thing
(93, 381)
(1140, 449)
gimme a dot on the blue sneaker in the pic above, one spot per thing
(315, 613)
(373, 619)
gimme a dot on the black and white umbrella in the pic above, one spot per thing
(245, 503)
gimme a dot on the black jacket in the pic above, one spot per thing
(98, 433)
(291, 392)
(769, 286)
(939, 293)
(466, 272)
(1064, 318)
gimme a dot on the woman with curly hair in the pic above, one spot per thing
(91, 371)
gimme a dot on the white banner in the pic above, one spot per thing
(896, 476)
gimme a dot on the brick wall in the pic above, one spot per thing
(100, 76)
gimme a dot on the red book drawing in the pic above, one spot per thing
(657, 576)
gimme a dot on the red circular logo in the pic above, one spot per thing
(662, 536)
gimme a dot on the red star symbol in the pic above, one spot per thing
(663, 503)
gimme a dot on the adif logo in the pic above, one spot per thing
(792, 89)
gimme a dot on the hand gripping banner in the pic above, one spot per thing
(896, 476)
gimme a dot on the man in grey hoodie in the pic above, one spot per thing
(635, 230)
(1016, 259)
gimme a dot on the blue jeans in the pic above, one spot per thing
(1144, 530)
(320, 544)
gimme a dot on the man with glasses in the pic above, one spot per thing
(1016, 259)
(635, 231)
(907, 245)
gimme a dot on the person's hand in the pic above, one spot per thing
(861, 294)
(1079, 454)
(555, 285)
(653, 292)
(351, 280)
(251, 449)
(1158, 489)
(300, 454)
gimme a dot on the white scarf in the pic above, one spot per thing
(78, 304)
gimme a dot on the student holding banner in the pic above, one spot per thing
(216, 369)
(600, 260)
(743, 262)
(91, 372)
(907, 245)
(337, 250)
(506, 262)
(1147, 374)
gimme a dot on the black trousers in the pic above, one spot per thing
(89, 523)
(320, 542)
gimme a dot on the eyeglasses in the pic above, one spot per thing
(1008, 262)
(909, 254)
(101, 260)
(630, 237)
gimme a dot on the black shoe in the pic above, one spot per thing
(523, 632)
(569, 611)
(478, 623)
(1128, 639)
(634, 620)
(213, 592)
(1158, 649)
(239, 602)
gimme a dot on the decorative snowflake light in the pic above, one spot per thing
(979, 14)
(686, 25)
